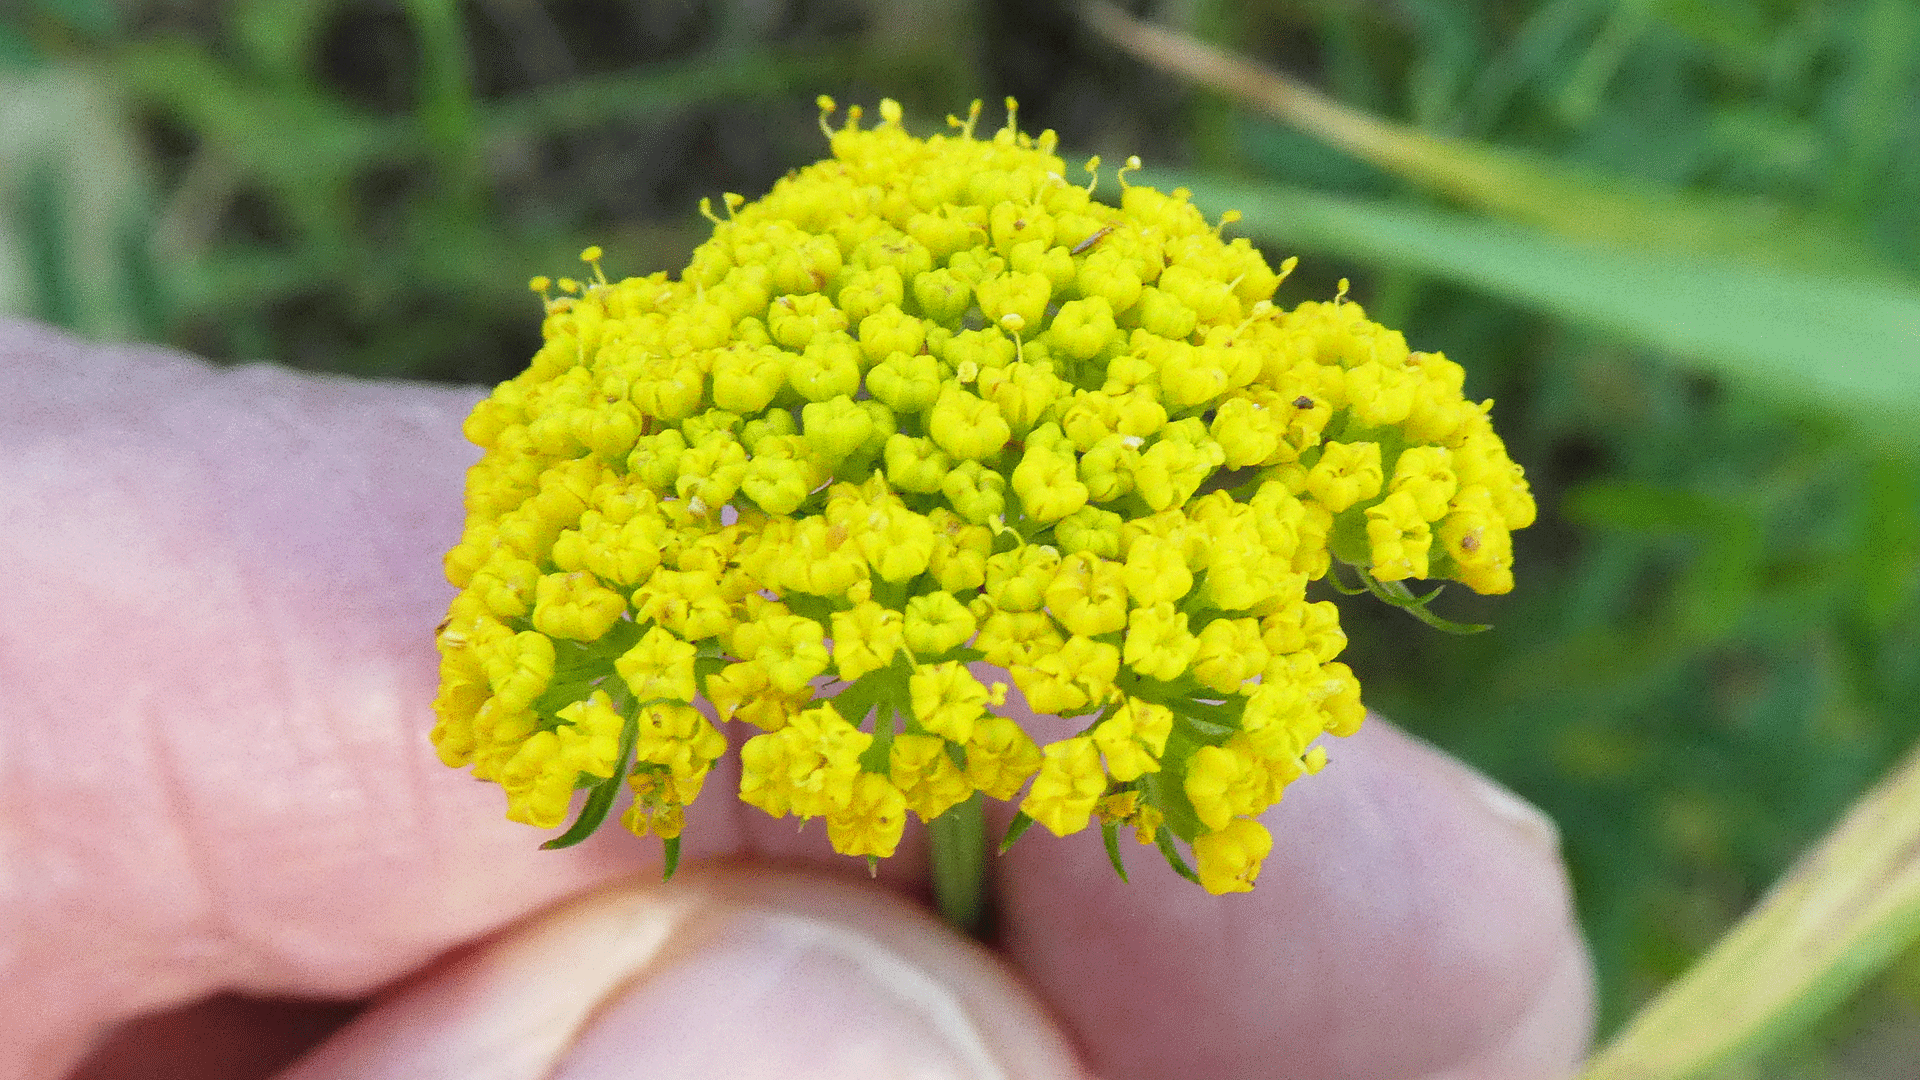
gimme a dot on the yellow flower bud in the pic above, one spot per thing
(1476, 540)
(921, 768)
(659, 666)
(971, 352)
(1398, 536)
(947, 699)
(828, 367)
(835, 427)
(959, 557)
(746, 378)
(1426, 474)
(1347, 473)
(1067, 681)
(965, 426)
(1048, 484)
(1133, 738)
(1158, 645)
(1025, 394)
(943, 295)
(518, 667)
(1017, 637)
(1175, 466)
(936, 623)
(1088, 595)
(867, 291)
(1068, 785)
(909, 384)
(872, 821)
(1156, 571)
(1084, 328)
(1001, 757)
(1017, 580)
(575, 606)
(1230, 652)
(1249, 433)
(976, 494)
(865, 638)
(889, 330)
(1091, 530)
(1228, 859)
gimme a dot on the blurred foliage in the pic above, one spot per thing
(1678, 239)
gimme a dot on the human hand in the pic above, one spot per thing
(215, 664)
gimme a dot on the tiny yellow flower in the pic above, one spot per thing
(1001, 757)
(1398, 537)
(965, 426)
(1347, 473)
(1066, 681)
(1133, 738)
(1088, 595)
(659, 666)
(947, 699)
(936, 623)
(1228, 858)
(575, 606)
(1158, 644)
(1070, 782)
(872, 820)
(926, 775)
(865, 637)
(1228, 653)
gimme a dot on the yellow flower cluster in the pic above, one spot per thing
(925, 412)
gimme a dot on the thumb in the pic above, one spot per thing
(720, 973)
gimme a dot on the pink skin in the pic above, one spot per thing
(215, 663)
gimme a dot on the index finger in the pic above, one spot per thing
(1412, 920)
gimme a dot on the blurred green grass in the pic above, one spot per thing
(1679, 240)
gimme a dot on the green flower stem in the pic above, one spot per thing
(960, 865)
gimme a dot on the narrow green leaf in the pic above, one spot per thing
(1164, 840)
(74, 171)
(601, 799)
(1397, 594)
(1110, 836)
(1340, 586)
(1015, 830)
(446, 107)
(1516, 185)
(276, 131)
(1851, 905)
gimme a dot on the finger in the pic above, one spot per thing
(1412, 921)
(722, 973)
(225, 1037)
(214, 676)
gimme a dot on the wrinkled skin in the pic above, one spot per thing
(215, 663)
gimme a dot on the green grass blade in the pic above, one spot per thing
(1850, 344)
(1849, 907)
(1512, 184)
(288, 134)
(75, 175)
